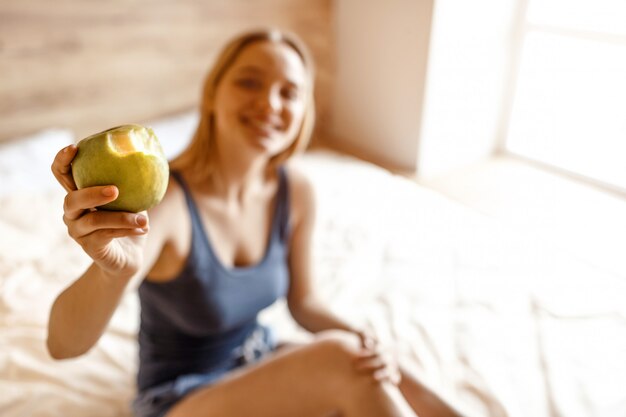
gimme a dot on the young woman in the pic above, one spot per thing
(232, 235)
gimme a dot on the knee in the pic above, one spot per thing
(336, 353)
(333, 353)
(338, 344)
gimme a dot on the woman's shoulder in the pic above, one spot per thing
(170, 206)
(300, 183)
(301, 191)
(168, 235)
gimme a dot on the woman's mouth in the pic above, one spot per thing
(262, 127)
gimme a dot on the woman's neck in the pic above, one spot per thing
(231, 179)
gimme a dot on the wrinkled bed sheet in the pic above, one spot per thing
(494, 318)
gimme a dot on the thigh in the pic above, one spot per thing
(298, 380)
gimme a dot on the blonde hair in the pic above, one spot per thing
(199, 153)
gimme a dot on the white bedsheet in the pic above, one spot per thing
(493, 318)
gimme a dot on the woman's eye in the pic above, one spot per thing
(249, 83)
(290, 93)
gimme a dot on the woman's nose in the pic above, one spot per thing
(270, 101)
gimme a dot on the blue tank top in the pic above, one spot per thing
(191, 324)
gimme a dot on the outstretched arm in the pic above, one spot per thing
(121, 251)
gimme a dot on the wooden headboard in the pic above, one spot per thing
(89, 65)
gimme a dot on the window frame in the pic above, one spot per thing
(521, 28)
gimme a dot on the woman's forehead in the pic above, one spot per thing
(271, 58)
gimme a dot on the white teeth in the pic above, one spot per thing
(262, 125)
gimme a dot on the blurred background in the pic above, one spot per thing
(470, 161)
(514, 107)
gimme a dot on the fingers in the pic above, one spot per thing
(381, 367)
(78, 201)
(371, 360)
(98, 240)
(387, 374)
(106, 225)
(370, 363)
(368, 341)
(62, 168)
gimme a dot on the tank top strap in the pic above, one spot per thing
(282, 204)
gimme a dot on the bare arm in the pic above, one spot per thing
(122, 252)
(305, 306)
(81, 313)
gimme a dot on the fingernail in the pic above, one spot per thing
(141, 220)
(108, 191)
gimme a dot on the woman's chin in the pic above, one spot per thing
(269, 144)
(261, 143)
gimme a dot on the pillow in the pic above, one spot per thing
(25, 162)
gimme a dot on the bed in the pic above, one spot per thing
(495, 319)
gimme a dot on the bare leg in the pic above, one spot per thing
(422, 400)
(314, 380)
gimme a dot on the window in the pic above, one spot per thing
(569, 103)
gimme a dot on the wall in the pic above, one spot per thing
(89, 65)
(418, 100)
(381, 54)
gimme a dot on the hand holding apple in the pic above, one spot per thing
(113, 239)
(129, 157)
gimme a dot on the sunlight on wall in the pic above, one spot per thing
(467, 69)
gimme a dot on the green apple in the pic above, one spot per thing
(129, 157)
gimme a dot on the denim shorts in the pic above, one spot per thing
(156, 401)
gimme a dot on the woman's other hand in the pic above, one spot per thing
(113, 239)
(376, 361)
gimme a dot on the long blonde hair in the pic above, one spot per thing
(197, 157)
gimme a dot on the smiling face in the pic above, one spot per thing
(260, 101)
